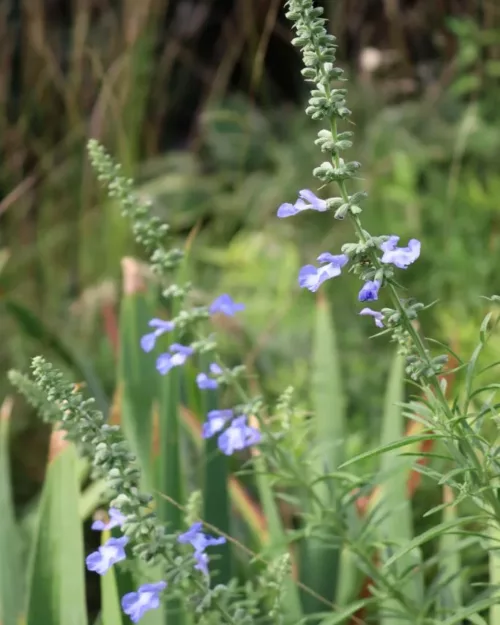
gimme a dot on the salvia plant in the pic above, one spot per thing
(289, 455)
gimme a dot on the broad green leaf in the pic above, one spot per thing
(278, 542)
(215, 493)
(56, 593)
(138, 379)
(11, 599)
(170, 479)
(450, 597)
(393, 516)
(111, 612)
(319, 561)
(494, 568)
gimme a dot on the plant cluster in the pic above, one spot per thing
(288, 456)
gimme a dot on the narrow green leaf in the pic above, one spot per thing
(431, 533)
(319, 561)
(216, 510)
(404, 442)
(11, 599)
(56, 579)
(138, 379)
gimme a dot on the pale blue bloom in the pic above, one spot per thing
(400, 256)
(369, 292)
(116, 519)
(200, 541)
(311, 277)
(147, 597)
(217, 419)
(225, 305)
(377, 316)
(206, 382)
(307, 200)
(110, 553)
(177, 357)
(148, 341)
(238, 436)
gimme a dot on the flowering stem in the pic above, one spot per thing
(417, 340)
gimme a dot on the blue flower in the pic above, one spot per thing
(148, 341)
(110, 553)
(307, 200)
(136, 604)
(400, 256)
(205, 382)
(377, 316)
(369, 292)
(116, 519)
(225, 305)
(177, 357)
(200, 541)
(311, 277)
(217, 419)
(238, 436)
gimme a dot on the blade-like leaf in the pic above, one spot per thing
(450, 597)
(393, 516)
(215, 493)
(10, 573)
(137, 378)
(319, 561)
(56, 580)
(111, 612)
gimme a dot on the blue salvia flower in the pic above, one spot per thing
(200, 541)
(238, 436)
(311, 277)
(116, 519)
(110, 553)
(377, 316)
(307, 201)
(148, 341)
(205, 382)
(175, 357)
(217, 419)
(400, 256)
(225, 305)
(370, 290)
(147, 597)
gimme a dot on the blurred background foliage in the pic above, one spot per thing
(202, 103)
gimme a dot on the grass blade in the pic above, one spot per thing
(56, 581)
(137, 374)
(450, 597)
(215, 493)
(10, 573)
(319, 562)
(393, 516)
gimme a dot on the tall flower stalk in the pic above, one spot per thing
(372, 258)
